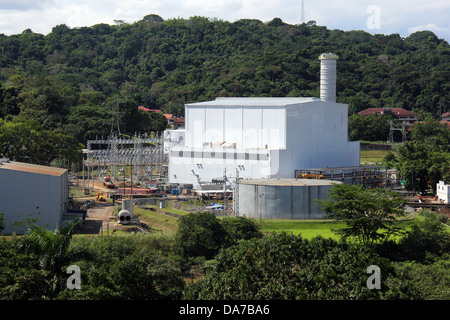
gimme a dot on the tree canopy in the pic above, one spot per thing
(368, 213)
(164, 64)
(424, 160)
(287, 267)
(28, 141)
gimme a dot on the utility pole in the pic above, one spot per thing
(225, 200)
(236, 194)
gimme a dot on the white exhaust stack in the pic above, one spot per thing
(328, 76)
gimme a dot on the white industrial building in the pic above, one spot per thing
(31, 191)
(443, 191)
(262, 138)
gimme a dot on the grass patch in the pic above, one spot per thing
(373, 156)
(169, 209)
(158, 221)
(311, 228)
(306, 228)
(79, 193)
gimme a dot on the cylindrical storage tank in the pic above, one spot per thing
(282, 198)
(127, 204)
(328, 76)
(124, 217)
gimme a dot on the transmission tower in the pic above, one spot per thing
(114, 135)
(393, 128)
(303, 12)
(115, 128)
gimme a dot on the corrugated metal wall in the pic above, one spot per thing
(281, 202)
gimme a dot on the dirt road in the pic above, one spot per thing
(99, 219)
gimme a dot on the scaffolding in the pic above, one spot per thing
(368, 176)
(108, 156)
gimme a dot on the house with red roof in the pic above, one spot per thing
(148, 110)
(405, 116)
(445, 117)
(175, 122)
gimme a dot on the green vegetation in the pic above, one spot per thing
(157, 221)
(369, 214)
(425, 159)
(59, 90)
(374, 156)
(227, 258)
(289, 267)
(370, 128)
(73, 78)
(306, 228)
(28, 141)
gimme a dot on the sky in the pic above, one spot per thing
(374, 16)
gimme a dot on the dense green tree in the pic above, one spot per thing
(370, 215)
(369, 128)
(240, 228)
(147, 276)
(425, 160)
(124, 268)
(89, 121)
(286, 267)
(21, 275)
(432, 132)
(417, 281)
(50, 246)
(201, 234)
(27, 141)
(426, 240)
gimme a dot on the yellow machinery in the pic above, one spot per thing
(100, 196)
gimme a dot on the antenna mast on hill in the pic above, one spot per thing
(303, 12)
(115, 128)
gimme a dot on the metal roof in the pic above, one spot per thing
(399, 112)
(253, 101)
(289, 182)
(32, 168)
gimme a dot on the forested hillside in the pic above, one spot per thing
(71, 78)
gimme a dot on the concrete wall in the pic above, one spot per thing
(24, 195)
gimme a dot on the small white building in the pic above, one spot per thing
(443, 191)
(262, 138)
(31, 191)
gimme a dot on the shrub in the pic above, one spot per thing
(200, 234)
(240, 228)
